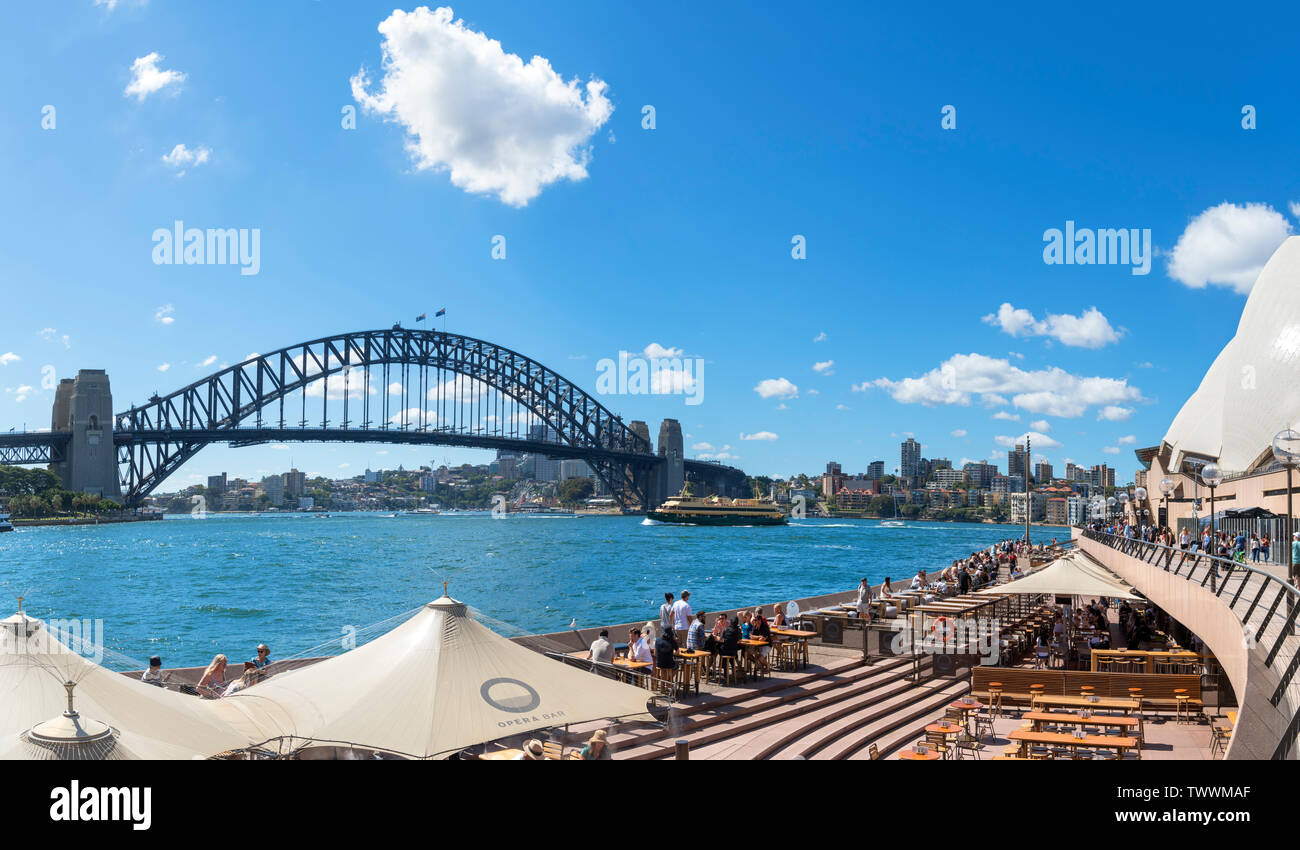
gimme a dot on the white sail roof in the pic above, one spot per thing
(152, 723)
(438, 683)
(1250, 392)
(1071, 575)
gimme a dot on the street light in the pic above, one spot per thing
(1167, 487)
(1212, 475)
(1139, 502)
(1286, 451)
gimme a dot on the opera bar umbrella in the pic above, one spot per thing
(436, 684)
(115, 717)
(1071, 575)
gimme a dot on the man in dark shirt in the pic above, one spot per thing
(963, 582)
(665, 647)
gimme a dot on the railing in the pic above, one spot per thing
(1217, 575)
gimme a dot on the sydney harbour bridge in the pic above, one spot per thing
(396, 386)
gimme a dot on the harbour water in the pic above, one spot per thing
(187, 588)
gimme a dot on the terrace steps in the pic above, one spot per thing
(746, 711)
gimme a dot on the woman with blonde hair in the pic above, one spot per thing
(212, 683)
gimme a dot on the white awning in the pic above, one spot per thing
(438, 683)
(149, 722)
(1070, 575)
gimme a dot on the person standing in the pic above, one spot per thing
(681, 612)
(697, 635)
(864, 600)
(666, 613)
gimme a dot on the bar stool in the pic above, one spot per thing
(1184, 707)
(1086, 690)
(1035, 691)
(1136, 694)
(1119, 665)
(995, 699)
(728, 669)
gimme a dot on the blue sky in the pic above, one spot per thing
(770, 121)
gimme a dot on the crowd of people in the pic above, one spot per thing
(657, 642)
(212, 683)
(1224, 544)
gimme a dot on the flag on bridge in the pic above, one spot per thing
(420, 318)
(441, 312)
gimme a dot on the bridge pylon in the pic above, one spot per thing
(83, 407)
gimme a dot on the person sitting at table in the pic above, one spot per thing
(637, 649)
(666, 654)
(759, 630)
(212, 684)
(602, 651)
(745, 625)
(886, 589)
(532, 751)
(696, 636)
(730, 641)
(918, 581)
(778, 617)
(720, 626)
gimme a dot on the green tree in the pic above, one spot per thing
(573, 491)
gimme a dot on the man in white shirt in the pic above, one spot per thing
(637, 650)
(681, 612)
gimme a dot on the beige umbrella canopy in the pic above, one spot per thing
(438, 683)
(115, 717)
(1071, 575)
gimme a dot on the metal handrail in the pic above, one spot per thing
(1218, 572)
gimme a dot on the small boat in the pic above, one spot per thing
(5, 524)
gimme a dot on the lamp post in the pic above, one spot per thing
(1286, 451)
(1167, 487)
(1139, 506)
(1028, 503)
(1212, 475)
(1110, 507)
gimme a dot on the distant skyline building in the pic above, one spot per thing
(1018, 461)
(295, 483)
(1042, 472)
(909, 463)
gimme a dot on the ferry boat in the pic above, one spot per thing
(5, 524)
(687, 510)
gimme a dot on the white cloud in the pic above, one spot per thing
(1111, 450)
(110, 5)
(9, 357)
(182, 158)
(702, 447)
(495, 124)
(1114, 413)
(824, 367)
(163, 315)
(842, 407)
(163, 367)
(655, 351)
(1051, 391)
(395, 388)
(765, 436)
(1039, 441)
(1040, 425)
(22, 392)
(208, 361)
(1090, 329)
(776, 388)
(1127, 441)
(1228, 245)
(147, 77)
(1007, 415)
(821, 337)
(960, 432)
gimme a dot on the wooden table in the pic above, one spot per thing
(1142, 660)
(502, 755)
(1060, 739)
(635, 666)
(698, 656)
(1116, 703)
(1040, 717)
(800, 638)
(944, 728)
(751, 654)
(928, 755)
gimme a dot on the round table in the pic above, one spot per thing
(928, 755)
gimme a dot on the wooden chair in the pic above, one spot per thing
(728, 669)
(552, 751)
(873, 752)
(965, 743)
(939, 743)
(1221, 735)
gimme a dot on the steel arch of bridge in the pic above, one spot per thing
(470, 393)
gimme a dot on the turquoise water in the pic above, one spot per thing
(187, 589)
